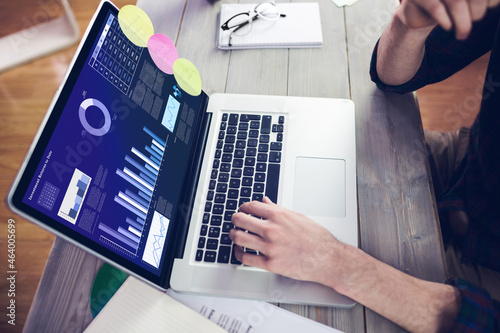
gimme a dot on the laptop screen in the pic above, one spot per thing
(113, 166)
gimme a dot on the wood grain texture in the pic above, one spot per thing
(322, 72)
(398, 222)
(197, 43)
(397, 212)
(16, 17)
(258, 71)
(66, 282)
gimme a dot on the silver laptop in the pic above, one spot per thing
(136, 171)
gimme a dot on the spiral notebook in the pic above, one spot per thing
(301, 28)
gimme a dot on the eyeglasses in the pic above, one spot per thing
(242, 23)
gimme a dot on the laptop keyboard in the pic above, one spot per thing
(115, 57)
(246, 167)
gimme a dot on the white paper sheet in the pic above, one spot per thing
(138, 307)
(249, 316)
(342, 3)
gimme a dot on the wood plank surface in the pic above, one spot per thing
(397, 215)
(258, 71)
(66, 285)
(322, 72)
(196, 42)
(398, 222)
(31, 13)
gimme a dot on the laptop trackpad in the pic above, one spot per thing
(319, 187)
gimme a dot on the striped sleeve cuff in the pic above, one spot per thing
(477, 312)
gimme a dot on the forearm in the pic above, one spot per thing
(295, 246)
(414, 304)
(400, 51)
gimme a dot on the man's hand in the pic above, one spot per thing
(291, 244)
(457, 14)
(295, 246)
(402, 45)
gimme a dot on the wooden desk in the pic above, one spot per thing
(397, 214)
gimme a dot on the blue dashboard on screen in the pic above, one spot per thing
(114, 166)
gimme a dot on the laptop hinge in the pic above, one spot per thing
(185, 207)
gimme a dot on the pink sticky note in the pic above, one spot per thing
(163, 52)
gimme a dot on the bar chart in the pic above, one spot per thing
(75, 193)
(140, 172)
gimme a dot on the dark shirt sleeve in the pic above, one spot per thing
(478, 311)
(444, 55)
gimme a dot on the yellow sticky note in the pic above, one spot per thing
(187, 76)
(135, 24)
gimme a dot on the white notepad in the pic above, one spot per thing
(301, 28)
(137, 307)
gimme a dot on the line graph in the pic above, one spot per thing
(171, 112)
(156, 240)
